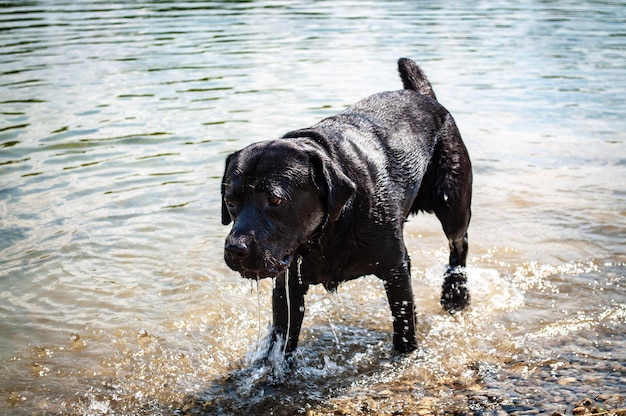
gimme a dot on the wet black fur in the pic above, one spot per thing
(328, 203)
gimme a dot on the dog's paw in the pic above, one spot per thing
(455, 295)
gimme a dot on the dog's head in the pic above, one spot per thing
(278, 194)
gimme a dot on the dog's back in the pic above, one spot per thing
(386, 142)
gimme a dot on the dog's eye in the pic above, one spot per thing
(274, 200)
(229, 203)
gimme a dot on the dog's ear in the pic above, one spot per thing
(338, 187)
(225, 214)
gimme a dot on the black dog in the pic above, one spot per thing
(328, 203)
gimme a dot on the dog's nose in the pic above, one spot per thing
(237, 250)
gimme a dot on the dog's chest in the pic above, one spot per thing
(347, 263)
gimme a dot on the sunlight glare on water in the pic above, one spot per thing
(116, 119)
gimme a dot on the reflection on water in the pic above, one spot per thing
(115, 119)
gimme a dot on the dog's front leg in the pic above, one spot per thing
(400, 295)
(288, 308)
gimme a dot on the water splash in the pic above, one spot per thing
(288, 295)
(258, 307)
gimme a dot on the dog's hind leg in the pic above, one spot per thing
(455, 294)
(455, 221)
(451, 201)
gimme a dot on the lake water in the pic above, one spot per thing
(116, 118)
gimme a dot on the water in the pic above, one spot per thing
(115, 119)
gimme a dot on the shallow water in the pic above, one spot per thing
(115, 119)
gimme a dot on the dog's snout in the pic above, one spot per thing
(237, 249)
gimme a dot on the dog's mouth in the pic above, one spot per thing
(272, 269)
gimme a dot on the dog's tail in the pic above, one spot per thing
(413, 78)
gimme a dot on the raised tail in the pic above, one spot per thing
(413, 78)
